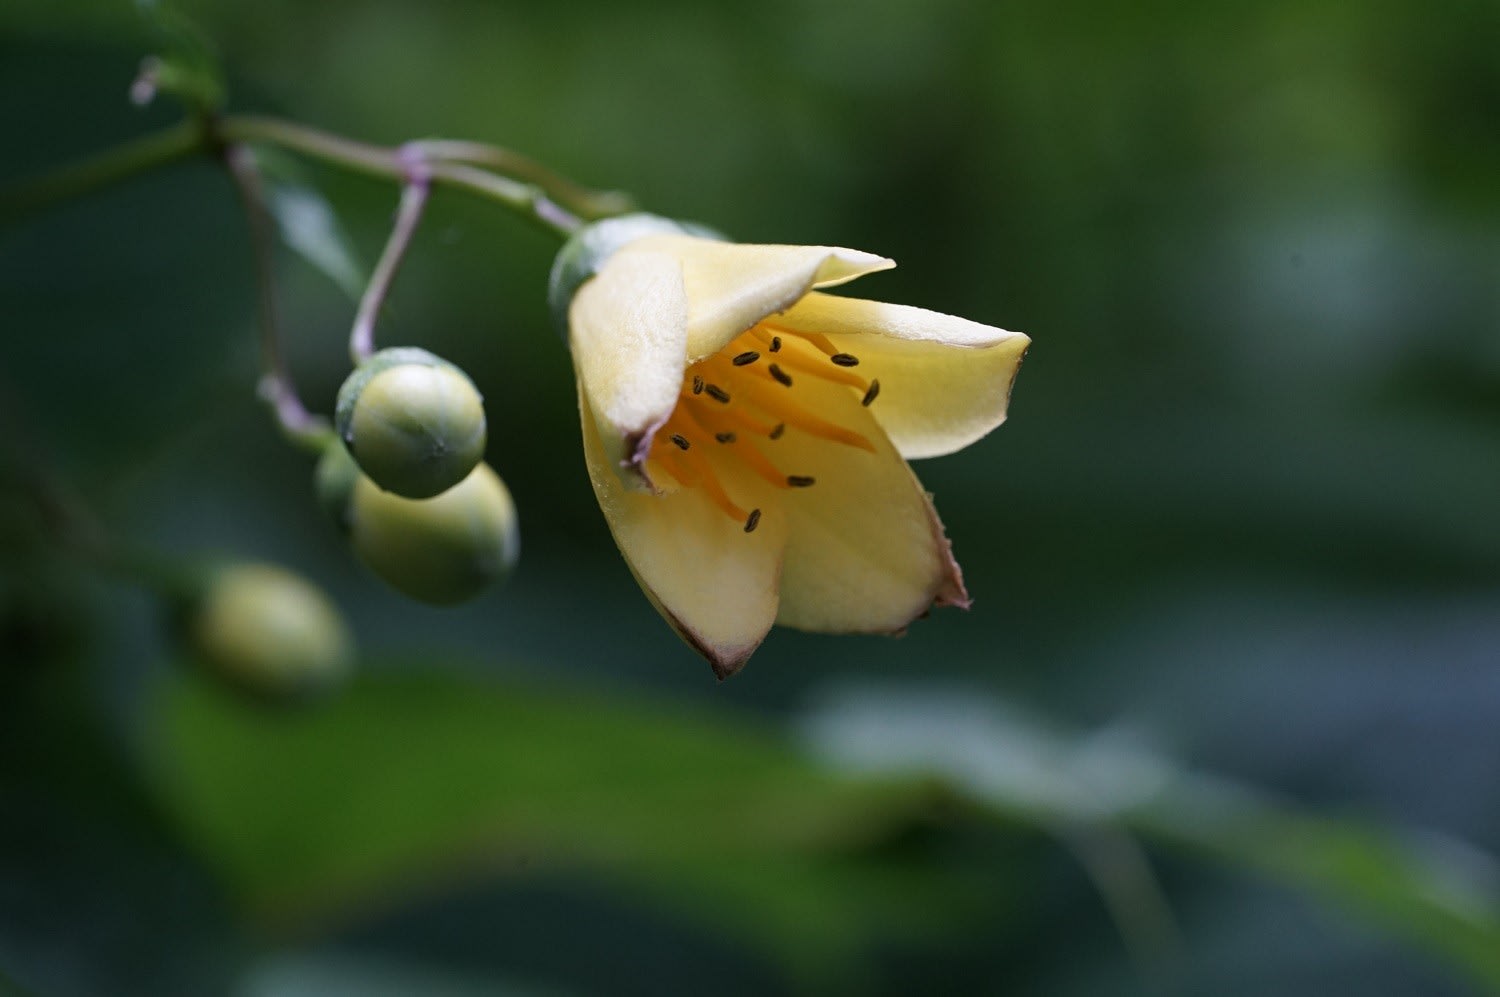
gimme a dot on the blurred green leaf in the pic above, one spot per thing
(412, 777)
(308, 223)
(350, 976)
(1435, 891)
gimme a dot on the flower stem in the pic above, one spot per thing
(413, 200)
(582, 201)
(529, 199)
(276, 387)
(522, 184)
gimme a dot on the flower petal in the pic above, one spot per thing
(866, 552)
(713, 582)
(628, 333)
(731, 286)
(944, 381)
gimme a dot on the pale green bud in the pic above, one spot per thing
(413, 421)
(333, 483)
(440, 550)
(269, 630)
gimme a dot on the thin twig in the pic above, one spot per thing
(581, 200)
(276, 385)
(408, 215)
(528, 199)
(555, 203)
(107, 168)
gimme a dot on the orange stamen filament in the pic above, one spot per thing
(750, 397)
(720, 416)
(817, 339)
(778, 403)
(668, 461)
(798, 360)
(751, 457)
(694, 471)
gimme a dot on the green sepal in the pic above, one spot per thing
(586, 251)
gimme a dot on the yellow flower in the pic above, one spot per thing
(747, 434)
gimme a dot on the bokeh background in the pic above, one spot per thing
(1225, 716)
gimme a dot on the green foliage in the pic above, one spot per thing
(308, 224)
(411, 778)
(417, 779)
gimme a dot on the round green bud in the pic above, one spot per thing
(268, 630)
(586, 251)
(333, 483)
(441, 550)
(413, 421)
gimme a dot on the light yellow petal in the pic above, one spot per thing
(713, 582)
(628, 331)
(866, 552)
(731, 286)
(944, 381)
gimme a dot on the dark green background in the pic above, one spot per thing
(1244, 507)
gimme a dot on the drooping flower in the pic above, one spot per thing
(746, 434)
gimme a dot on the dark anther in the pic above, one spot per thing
(717, 393)
(749, 356)
(870, 394)
(697, 385)
(724, 437)
(752, 521)
(680, 440)
(776, 433)
(845, 359)
(780, 375)
(800, 480)
(775, 344)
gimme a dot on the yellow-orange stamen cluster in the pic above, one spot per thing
(747, 393)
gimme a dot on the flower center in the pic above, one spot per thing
(735, 405)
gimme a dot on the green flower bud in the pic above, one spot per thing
(414, 422)
(268, 630)
(585, 252)
(441, 550)
(333, 483)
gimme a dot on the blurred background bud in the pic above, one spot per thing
(269, 630)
